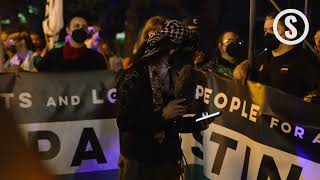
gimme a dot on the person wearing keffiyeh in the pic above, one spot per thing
(150, 117)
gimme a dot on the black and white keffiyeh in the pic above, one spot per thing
(176, 31)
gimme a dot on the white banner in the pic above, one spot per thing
(71, 147)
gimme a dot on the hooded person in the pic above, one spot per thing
(150, 117)
(74, 56)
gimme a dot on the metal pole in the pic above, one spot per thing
(252, 22)
(275, 5)
(306, 13)
(306, 8)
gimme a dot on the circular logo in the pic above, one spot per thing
(292, 34)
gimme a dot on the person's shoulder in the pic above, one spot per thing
(54, 53)
(95, 54)
(129, 80)
(55, 50)
(137, 69)
(263, 58)
(303, 56)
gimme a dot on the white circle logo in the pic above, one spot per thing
(293, 33)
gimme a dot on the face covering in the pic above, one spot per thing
(79, 35)
(237, 50)
(271, 42)
(180, 58)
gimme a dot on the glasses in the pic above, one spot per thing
(228, 41)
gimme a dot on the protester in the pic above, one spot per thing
(24, 57)
(3, 37)
(228, 55)
(2, 56)
(39, 43)
(282, 66)
(94, 38)
(192, 23)
(114, 61)
(149, 117)
(6, 40)
(74, 56)
(314, 95)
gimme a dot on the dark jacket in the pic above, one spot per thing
(54, 61)
(138, 122)
(293, 72)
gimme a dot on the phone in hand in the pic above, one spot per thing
(207, 116)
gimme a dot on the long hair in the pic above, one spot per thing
(154, 23)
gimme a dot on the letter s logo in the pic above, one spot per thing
(293, 31)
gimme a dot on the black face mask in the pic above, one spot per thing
(79, 35)
(237, 49)
(180, 58)
(271, 42)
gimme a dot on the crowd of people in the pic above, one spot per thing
(84, 48)
(149, 130)
(289, 68)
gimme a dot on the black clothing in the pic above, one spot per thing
(220, 65)
(137, 170)
(54, 61)
(293, 72)
(138, 122)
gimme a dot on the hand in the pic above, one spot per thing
(174, 109)
(240, 72)
(204, 124)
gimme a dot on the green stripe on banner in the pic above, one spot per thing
(196, 172)
(97, 175)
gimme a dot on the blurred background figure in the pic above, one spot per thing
(114, 61)
(74, 56)
(17, 160)
(192, 23)
(3, 37)
(93, 37)
(20, 44)
(39, 43)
